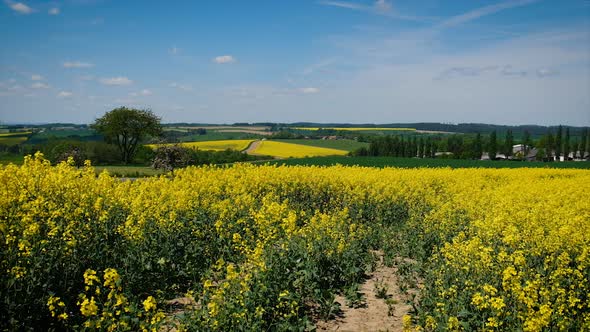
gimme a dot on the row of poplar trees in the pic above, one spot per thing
(549, 146)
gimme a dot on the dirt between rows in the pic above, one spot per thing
(252, 147)
(377, 314)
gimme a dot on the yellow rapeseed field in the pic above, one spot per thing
(20, 133)
(13, 138)
(238, 144)
(287, 150)
(256, 248)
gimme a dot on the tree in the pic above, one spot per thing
(566, 144)
(493, 147)
(508, 143)
(421, 148)
(477, 147)
(428, 148)
(527, 142)
(550, 146)
(558, 142)
(433, 149)
(585, 144)
(541, 154)
(126, 127)
(169, 157)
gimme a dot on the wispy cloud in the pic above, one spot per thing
(222, 59)
(347, 5)
(36, 77)
(53, 11)
(505, 70)
(174, 50)
(19, 7)
(384, 8)
(183, 87)
(77, 64)
(509, 71)
(120, 80)
(309, 90)
(64, 94)
(39, 85)
(546, 72)
(379, 7)
(319, 66)
(483, 11)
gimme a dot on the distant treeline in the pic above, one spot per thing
(550, 146)
(468, 128)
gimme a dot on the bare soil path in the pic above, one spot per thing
(379, 314)
(252, 147)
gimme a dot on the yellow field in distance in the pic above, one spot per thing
(22, 133)
(357, 128)
(236, 144)
(14, 138)
(286, 150)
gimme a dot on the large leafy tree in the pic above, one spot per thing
(126, 127)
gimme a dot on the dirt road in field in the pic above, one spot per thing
(252, 147)
(379, 314)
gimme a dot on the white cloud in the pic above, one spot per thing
(77, 64)
(64, 94)
(19, 7)
(174, 50)
(39, 85)
(224, 59)
(309, 90)
(116, 81)
(36, 77)
(54, 11)
(182, 87)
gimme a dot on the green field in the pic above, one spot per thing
(61, 133)
(8, 158)
(415, 162)
(339, 144)
(13, 140)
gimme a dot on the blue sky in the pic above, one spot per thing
(358, 61)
